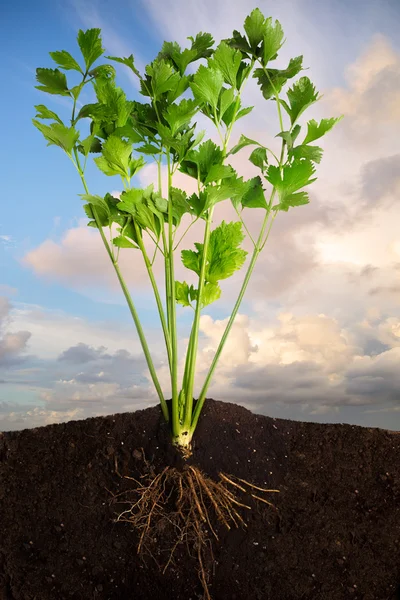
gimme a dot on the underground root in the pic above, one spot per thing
(186, 506)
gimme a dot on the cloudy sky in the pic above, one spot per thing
(318, 335)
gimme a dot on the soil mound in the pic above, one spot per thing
(335, 535)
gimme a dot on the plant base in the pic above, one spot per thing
(183, 443)
(189, 502)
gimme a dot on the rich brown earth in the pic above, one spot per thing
(336, 534)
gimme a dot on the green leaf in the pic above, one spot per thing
(102, 216)
(226, 60)
(210, 293)
(190, 260)
(58, 134)
(271, 81)
(53, 81)
(315, 130)
(135, 164)
(217, 172)
(160, 78)
(227, 99)
(201, 160)
(295, 132)
(254, 27)
(313, 153)
(293, 200)
(243, 112)
(202, 45)
(182, 293)
(91, 46)
(287, 136)
(89, 144)
(239, 42)
(123, 242)
(45, 113)
(179, 115)
(96, 201)
(272, 40)
(64, 60)
(128, 62)
(300, 96)
(242, 143)
(259, 158)
(180, 205)
(295, 176)
(104, 71)
(206, 85)
(224, 256)
(253, 195)
(115, 159)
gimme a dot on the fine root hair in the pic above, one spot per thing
(188, 507)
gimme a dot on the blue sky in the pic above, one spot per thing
(331, 271)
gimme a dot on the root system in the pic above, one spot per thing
(190, 504)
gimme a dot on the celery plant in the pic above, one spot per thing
(123, 132)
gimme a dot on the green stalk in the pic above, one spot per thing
(156, 294)
(257, 249)
(176, 426)
(256, 252)
(130, 303)
(194, 338)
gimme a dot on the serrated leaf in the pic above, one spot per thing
(224, 256)
(58, 134)
(160, 78)
(180, 205)
(217, 172)
(271, 81)
(226, 60)
(128, 62)
(115, 159)
(64, 60)
(206, 85)
(199, 162)
(315, 130)
(298, 199)
(135, 164)
(53, 81)
(313, 153)
(243, 112)
(302, 95)
(102, 216)
(45, 113)
(96, 201)
(226, 100)
(272, 40)
(259, 158)
(252, 195)
(182, 293)
(123, 242)
(242, 143)
(179, 115)
(239, 42)
(295, 176)
(287, 136)
(254, 26)
(210, 293)
(105, 71)
(91, 45)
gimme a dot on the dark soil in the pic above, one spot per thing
(335, 536)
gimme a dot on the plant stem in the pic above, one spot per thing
(156, 294)
(129, 300)
(172, 308)
(256, 252)
(196, 323)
